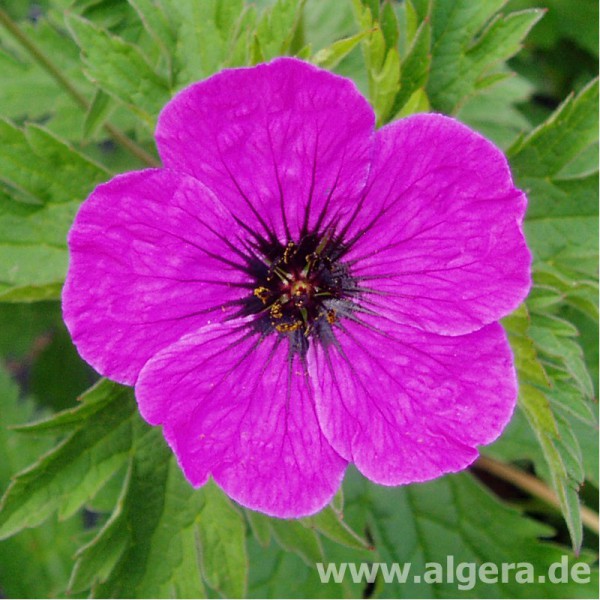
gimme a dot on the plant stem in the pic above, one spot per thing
(38, 55)
(532, 485)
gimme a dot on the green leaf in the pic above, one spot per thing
(160, 28)
(99, 111)
(562, 221)
(46, 169)
(95, 400)
(527, 362)
(415, 68)
(389, 25)
(147, 547)
(203, 34)
(160, 531)
(27, 92)
(330, 523)
(556, 286)
(552, 336)
(35, 563)
(294, 537)
(559, 447)
(120, 69)
(468, 39)
(47, 180)
(494, 111)
(66, 477)
(222, 532)
(277, 27)
(550, 147)
(453, 518)
(385, 84)
(276, 573)
(290, 535)
(382, 62)
(329, 57)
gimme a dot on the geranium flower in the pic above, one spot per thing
(295, 291)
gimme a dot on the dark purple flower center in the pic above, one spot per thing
(301, 289)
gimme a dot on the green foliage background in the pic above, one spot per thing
(94, 503)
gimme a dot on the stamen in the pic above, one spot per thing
(303, 289)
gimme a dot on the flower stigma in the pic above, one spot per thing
(301, 289)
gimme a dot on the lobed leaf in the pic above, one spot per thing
(68, 475)
(47, 180)
(468, 40)
(551, 146)
(453, 517)
(120, 69)
(34, 563)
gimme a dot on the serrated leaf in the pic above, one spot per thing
(203, 31)
(537, 385)
(552, 145)
(63, 479)
(527, 362)
(276, 573)
(110, 544)
(120, 69)
(452, 517)
(417, 103)
(45, 168)
(468, 39)
(35, 563)
(160, 28)
(277, 26)
(47, 180)
(556, 345)
(67, 421)
(562, 221)
(494, 111)
(147, 548)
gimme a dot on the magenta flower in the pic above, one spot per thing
(295, 291)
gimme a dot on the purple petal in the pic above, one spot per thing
(406, 405)
(439, 236)
(150, 262)
(279, 143)
(236, 407)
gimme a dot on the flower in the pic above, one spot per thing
(295, 291)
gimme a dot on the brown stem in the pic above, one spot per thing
(37, 54)
(532, 485)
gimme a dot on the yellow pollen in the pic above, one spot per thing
(331, 318)
(276, 310)
(287, 327)
(262, 293)
(288, 252)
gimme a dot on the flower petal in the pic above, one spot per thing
(150, 262)
(438, 236)
(279, 143)
(406, 405)
(237, 407)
